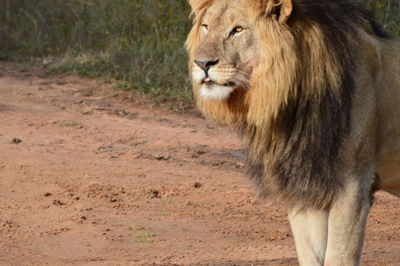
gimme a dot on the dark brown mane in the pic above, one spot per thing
(304, 140)
(337, 14)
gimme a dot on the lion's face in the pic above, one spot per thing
(227, 49)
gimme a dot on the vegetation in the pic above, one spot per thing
(139, 42)
(387, 13)
(145, 237)
(68, 123)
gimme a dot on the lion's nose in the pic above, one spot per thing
(206, 65)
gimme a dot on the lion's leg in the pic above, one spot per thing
(310, 231)
(347, 219)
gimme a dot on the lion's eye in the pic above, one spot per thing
(204, 26)
(236, 29)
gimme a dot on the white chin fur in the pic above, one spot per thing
(215, 92)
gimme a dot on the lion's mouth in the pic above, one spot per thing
(209, 82)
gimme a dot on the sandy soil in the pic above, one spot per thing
(89, 176)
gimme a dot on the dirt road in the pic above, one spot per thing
(88, 176)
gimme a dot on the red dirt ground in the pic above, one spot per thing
(89, 176)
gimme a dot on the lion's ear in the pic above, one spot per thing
(282, 9)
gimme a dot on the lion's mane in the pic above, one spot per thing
(296, 113)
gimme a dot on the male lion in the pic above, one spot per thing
(314, 88)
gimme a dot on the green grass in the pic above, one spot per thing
(68, 123)
(138, 42)
(136, 228)
(145, 237)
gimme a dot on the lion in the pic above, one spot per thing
(313, 86)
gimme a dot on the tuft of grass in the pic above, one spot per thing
(136, 228)
(153, 194)
(145, 237)
(86, 92)
(123, 86)
(68, 123)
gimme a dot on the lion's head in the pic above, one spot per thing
(224, 45)
(227, 49)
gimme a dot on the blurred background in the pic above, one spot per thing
(138, 42)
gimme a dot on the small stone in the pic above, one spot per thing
(161, 157)
(58, 202)
(197, 185)
(16, 141)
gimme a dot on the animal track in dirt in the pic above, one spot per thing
(93, 164)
